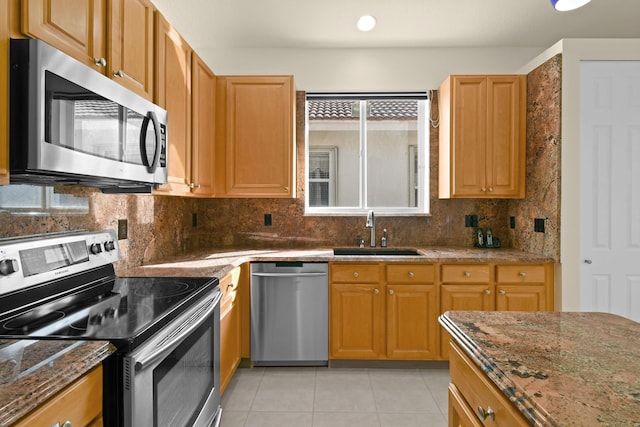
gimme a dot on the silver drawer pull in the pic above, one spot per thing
(391, 292)
(522, 274)
(355, 274)
(487, 291)
(100, 62)
(482, 414)
(67, 424)
(376, 291)
(503, 292)
(411, 275)
(467, 274)
(118, 73)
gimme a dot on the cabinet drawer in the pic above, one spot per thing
(356, 273)
(520, 274)
(410, 273)
(480, 393)
(80, 403)
(465, 273)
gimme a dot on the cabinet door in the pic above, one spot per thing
(412, 312)
(229, 327)
(356, 321)
(468, 135)
(259, 140)
(521, 298)
(131, 33)
(4, 91)
(464, 297)
(203, 128)
(76, 27)
(506, 136)
(173, 93)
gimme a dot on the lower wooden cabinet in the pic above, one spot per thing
(473, 399)
(383, 319)
(80, 404)
(230, 321)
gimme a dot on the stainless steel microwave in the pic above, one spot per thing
(69, 124)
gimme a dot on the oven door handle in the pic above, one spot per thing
(167, 345)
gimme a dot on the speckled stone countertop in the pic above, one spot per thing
(31, 372)
(560, 368)
(218, 263)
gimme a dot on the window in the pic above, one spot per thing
(366, 151)
(31, 199)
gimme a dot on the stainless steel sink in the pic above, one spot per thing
(376, 251)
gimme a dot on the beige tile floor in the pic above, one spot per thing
(336, 397)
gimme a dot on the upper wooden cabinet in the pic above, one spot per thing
(173, 93)
(186, 88)
(77, 27)
(130, 46)
(255, 136)
(482, 136)
(4, 91)
(114, 36)
(203, 105)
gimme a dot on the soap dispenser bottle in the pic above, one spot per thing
(383, 240)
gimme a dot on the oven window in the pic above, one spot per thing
(183, 381)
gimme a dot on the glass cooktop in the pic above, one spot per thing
(129, 313)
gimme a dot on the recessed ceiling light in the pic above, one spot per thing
(564, 5)
(366, 23)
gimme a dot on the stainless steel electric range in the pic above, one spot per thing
(165, 372)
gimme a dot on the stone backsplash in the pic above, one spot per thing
(163, 226)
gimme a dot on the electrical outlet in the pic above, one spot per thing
(267, 219)
(538, 225)
(122, 229)
(512, 222)
(194, 219)
(471, 220)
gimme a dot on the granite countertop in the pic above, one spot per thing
(218, 263)
(31, 372)
(558, 368)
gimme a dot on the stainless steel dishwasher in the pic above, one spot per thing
(289, 314)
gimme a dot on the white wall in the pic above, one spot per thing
(368, 69)
(573, 52)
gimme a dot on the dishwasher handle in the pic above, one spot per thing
(258, 274)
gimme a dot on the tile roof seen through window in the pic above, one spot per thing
(378, 109)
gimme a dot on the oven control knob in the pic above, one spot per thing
(8, 266)
(109, 246)
(95, 248)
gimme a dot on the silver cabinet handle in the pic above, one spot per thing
(587, 261)
(118, 73)
(57, 424)
(194, 185)
(67, 424)
(411, 275)
(490, 189)
(376, 291)
(522, 274)
(487, 291)
(391, 292)
(355, 274)
(503, 292)
(467, 274)
(100, 62)
(482, 414)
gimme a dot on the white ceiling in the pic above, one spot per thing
(218, 24)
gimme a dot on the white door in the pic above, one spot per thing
(610, 187)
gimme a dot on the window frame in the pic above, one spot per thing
(423, 144)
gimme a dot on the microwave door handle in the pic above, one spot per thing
(150, 117)
(169, 344)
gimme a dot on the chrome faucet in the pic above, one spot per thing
(371, 223)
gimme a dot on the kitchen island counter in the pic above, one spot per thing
(556, 368)
(31, 372)
(219, 262)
